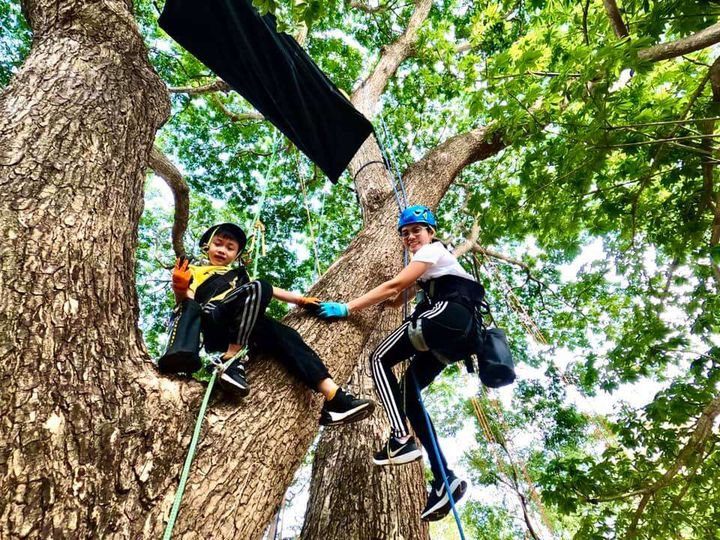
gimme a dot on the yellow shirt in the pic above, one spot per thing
(201, 273)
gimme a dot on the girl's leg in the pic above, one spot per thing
(392, 350)
(422, 371)
(398, 346)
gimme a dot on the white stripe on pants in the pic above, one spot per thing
(381, 381)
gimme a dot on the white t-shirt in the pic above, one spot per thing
(443, 262)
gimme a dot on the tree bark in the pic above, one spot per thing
(390, 502)
(81, 408)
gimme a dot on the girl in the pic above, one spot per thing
(441, 330)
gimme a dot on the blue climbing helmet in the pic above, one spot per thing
(417, 214)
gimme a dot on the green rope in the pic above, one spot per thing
(191, 452)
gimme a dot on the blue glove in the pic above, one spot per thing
(332, 310)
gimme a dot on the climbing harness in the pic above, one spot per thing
(219, 370)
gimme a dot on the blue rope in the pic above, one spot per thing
(396, 169)
(436, 450)
(401, 199)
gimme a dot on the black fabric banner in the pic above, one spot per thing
(272, 72)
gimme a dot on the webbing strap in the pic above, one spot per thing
(175, 510)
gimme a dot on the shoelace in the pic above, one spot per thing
(221, 366)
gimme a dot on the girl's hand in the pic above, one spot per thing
(333, 310)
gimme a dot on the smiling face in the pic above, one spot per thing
(416, 236)
(223, 249)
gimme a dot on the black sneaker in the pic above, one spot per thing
(233, 378)
(438, 503)
(345, 408)
(397, 453)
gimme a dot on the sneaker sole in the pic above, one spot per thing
(400, 460)
(444, 510)
(179, 362)
(353, 415)
(230, 385)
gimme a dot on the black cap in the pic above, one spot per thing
(225, 228)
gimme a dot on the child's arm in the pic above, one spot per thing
(294, 298)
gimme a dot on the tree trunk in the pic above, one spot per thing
(76, 127)
(390, 504)
(391, 498)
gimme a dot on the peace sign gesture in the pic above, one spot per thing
(181, 275)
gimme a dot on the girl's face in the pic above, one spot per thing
(222, 250)
(416, 236)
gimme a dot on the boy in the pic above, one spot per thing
(221, 303)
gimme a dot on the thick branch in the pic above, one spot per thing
(372, 181)
(444, 163)
(471, 244)
(616, 19)
(164, 168)
(699, 40)
(368, 93)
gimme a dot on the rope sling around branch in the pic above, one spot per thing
(218, 370)
(401, 199)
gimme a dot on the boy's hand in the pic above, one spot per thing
(333, 310)
(308, 302)
(181, 275)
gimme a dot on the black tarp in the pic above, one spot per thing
(272, 72)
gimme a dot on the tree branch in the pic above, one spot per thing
(236, 117)
(695, 42)
(218, 85)
(616, 19)
(445, 162)
(373, 183)
(367, 8)
(471, 244)
(693, 447)
(163, 167)
(367, 94)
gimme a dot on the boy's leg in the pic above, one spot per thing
(239, 311)
(183, 346)
(288, 347)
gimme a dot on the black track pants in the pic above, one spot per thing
(240, 318)
(287, 347)
(444, 324)
(233, 318)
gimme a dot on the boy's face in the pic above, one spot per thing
(223, 250)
